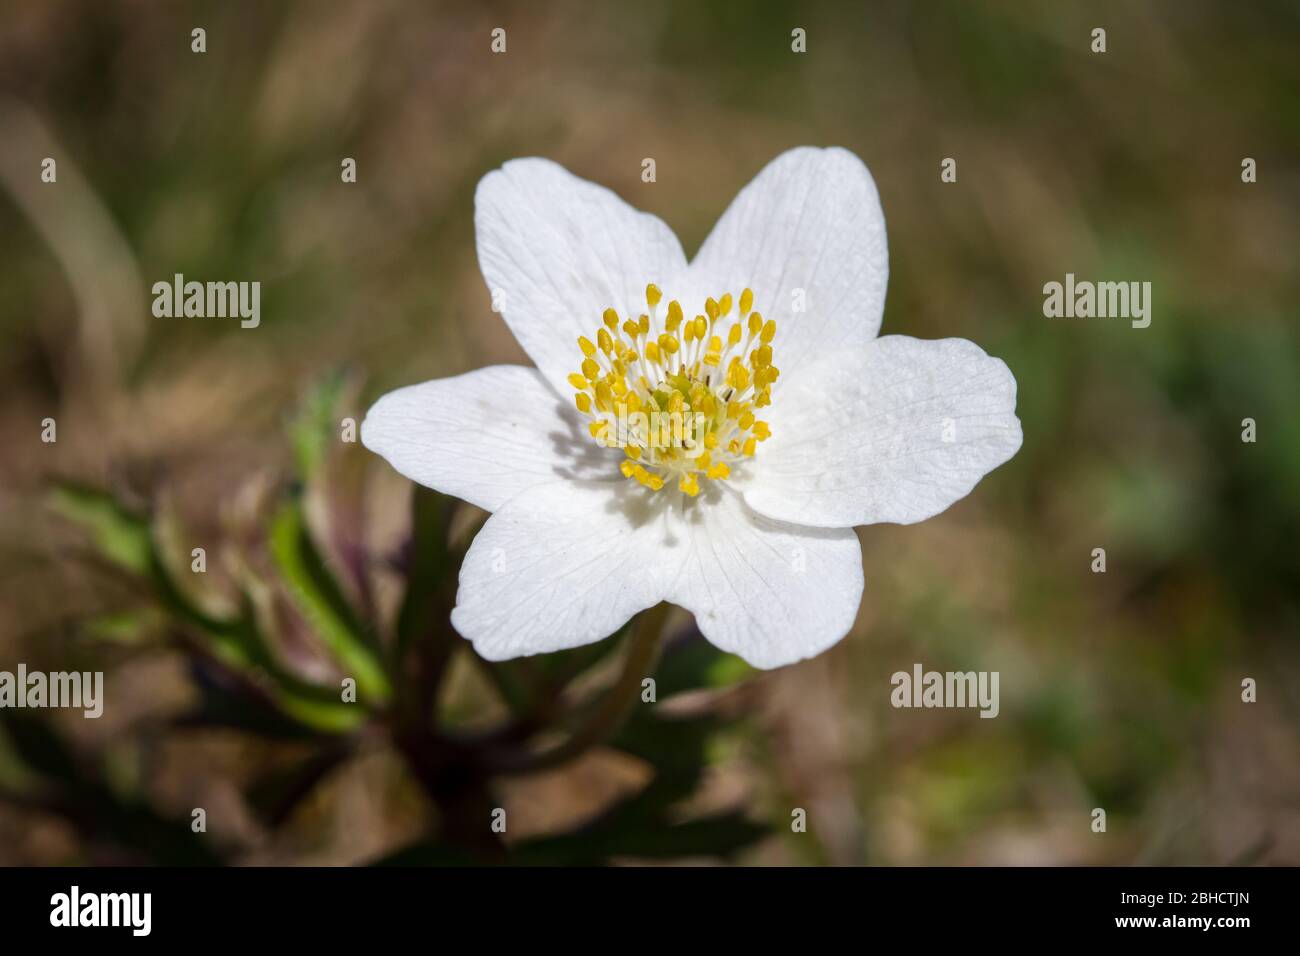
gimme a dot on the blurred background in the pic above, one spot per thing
(1119, 690)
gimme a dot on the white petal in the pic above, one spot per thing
(894, 431)
(774, 593)
(563, 565)
(811, 220)
(568, 564)
(484, 436)
(561, 250)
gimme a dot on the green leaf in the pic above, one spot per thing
(127, 541)
(127, 627)
(312, 431)
(526, 683)
(239, 645)
(319, 709)
(289, 708)
(692, 663)
(678, 749)
(319, 598)
(119, 535)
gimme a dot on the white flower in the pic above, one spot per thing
(743, 512)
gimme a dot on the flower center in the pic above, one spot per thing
(680, 401)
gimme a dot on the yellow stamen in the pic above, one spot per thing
(694, 390)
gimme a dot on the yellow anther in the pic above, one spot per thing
(738, 376)
(653, 482)
(705, 405)
(674, 316)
